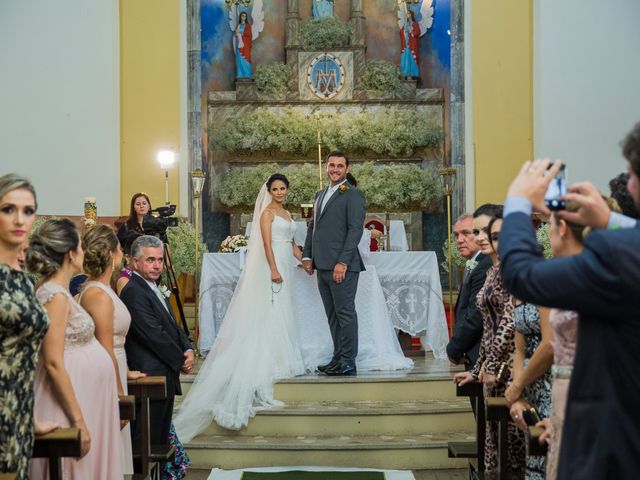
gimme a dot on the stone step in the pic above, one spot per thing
(357, 418)
(366, 386)
(426, 451)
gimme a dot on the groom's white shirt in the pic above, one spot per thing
(330, 192)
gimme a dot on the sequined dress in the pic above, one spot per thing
(93, 378)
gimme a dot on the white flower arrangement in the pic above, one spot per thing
(166, 293)
(233, 243)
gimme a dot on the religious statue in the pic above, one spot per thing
(244, 33)
(411, 29)
(322, 8)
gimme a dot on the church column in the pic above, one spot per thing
(358, 38)
(292, 45)
(194, 92)
(458, 106)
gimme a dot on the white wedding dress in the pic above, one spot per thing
(257, 344)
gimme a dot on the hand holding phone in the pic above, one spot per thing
(531, 416)
(556, 189)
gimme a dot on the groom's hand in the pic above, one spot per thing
(308, 266)
(339, 272)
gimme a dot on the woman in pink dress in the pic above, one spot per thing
(75, 380)
(102, 254)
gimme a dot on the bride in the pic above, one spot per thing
(257, 344)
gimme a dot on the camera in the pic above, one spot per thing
(556, 189)
(157, 224)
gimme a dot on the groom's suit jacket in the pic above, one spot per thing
(155, 344)
(334, 233)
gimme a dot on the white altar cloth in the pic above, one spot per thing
(410, 282)
(399, 242)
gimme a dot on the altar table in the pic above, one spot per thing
(410, 281)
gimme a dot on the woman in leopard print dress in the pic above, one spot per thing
(494, 365)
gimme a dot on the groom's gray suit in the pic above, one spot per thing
(332, 237)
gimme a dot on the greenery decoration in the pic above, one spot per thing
(272, 78)
(387, 188)
(391, 132)
(381, 76)
(325, 33)
(182, 243)
(542, 235)
(457, 260)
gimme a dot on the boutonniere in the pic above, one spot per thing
(470, 265)
(344, 188)
(164, 291)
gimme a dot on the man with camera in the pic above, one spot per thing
(601, 435)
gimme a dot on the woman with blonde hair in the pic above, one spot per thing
(75, 380)
(23, 324)
(102, 255)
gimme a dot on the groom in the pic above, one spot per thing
(331, 248)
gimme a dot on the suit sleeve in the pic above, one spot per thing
(307, 251)
(587, 282)
(468, 326)
(356, 214)
(146, 327)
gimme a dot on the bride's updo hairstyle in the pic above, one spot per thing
(98, 245)
(277, 176)
(49, 245)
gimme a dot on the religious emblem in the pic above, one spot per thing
(246, 24)
(415, 17)
(325, 76)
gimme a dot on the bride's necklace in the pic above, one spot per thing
(275, 292)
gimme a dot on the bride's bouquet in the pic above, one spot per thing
(233, 244)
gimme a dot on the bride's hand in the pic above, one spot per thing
(276, 277)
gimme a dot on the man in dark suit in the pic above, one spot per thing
(601, 437)
(155, 344)
(464, 346)
(331, 248)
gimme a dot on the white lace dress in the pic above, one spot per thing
(257, 345)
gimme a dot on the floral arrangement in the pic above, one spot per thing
(90, 217)
(381, 76)
(182, 241)
(233, 243)
(542, 235)
(325, 33)
(389, 187)
(391, 132)
(272, 78)
(457, 260)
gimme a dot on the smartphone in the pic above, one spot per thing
(531, 416)
(556, 189)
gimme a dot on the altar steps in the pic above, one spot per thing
(378, 420)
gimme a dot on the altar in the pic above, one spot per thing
(410, 282)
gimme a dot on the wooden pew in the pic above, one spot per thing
(63, 442)
(7, 476)
(127, 407)
(145, 389)
(472, 450)
(534, 449)
(497, 411)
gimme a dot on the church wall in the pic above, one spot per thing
(59, 101)
(152, 97)
(502, 90)
(586, 93)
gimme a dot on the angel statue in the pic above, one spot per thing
(410, 32)
(322, 8)
(244, 33)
